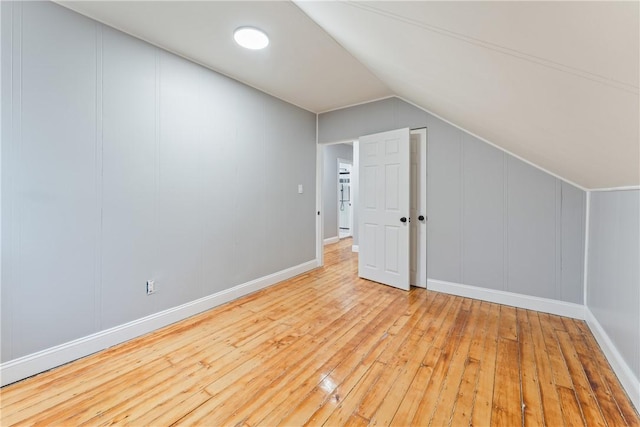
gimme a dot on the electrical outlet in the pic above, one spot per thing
(151, 287)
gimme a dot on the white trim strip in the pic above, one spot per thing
(629, 381)
(344, 141)
(528, 302)
(331, 240)
(358, 104)
(23, 367)
(624, 188)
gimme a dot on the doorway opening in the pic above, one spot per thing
(336, 198)
(345, 205)
(328, 231)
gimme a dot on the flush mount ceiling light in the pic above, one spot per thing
(251, 38)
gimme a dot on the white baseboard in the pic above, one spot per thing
(355, 248)
(629, 381)
(528, 302)
(26, 366)
(626, 376)
(330, 240)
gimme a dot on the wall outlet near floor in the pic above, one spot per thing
(151, 287)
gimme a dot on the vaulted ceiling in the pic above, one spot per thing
(556, 83)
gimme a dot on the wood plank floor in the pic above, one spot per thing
(327, 348)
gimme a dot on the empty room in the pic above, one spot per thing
(243, 213)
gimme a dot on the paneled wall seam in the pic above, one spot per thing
(5, 135)
(319, 208)
(201, 143)
(1, 139)
(461, 160)
(17, 218)
(555, 240)
(236, 201)
(583, 247)
(505, 212)
(10, 177)
(263, 135)
(156, 199)
(558, 246)
(7, 129)
(98, 315)
(585, 266)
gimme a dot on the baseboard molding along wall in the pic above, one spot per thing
(23, 367)
(330, 240)
(26, 366)
(546, 305)
(629, 381)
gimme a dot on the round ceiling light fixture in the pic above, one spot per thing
(251, 38)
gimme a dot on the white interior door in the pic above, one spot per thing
(418, 224)
(383, 215)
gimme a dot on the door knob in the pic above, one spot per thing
(403, 219)
(421, 218)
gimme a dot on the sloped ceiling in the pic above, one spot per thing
(302, 65)
(556, 83)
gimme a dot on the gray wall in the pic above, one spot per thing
(613, 277)
(330, 184)
(493, 220)
(122, 163)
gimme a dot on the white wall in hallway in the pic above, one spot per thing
(332, 152)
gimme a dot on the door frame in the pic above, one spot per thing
(319, 199)
(424, 160)
(354, 184)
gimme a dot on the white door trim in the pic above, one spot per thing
(419, 227)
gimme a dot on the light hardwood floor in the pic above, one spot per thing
(327, 348)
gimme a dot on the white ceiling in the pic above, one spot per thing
(556, 83)
(302, 64)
